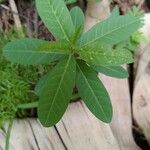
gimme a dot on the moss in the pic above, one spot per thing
(16, 83)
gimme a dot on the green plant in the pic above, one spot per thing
(69, 1)
(73, 1)
(137, 37)
(76, 58)
(12, 82)
(15, 79)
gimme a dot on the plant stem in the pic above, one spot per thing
(75, 97)
(28, 105)
(35, 104)
(8, 134)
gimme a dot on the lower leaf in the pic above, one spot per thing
(112, 71)
(93, 92)
(26, 52)
(110, 57)
(57, 92)
(40, 85)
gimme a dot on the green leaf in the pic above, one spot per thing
(102, 54)
(78, 21)
(76, 36)
(77, 17)
(25, 51)
(69, 1)
(57, 92)
(115, 12)
(111, 31)
(40, 85)
(135, 11)
(96, 1)
(112, 71)
(56, 17)
(93, 92)
(58, 46)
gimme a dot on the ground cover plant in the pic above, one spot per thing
(14, 79)
(76, 58)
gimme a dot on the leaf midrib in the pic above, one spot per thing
(58, 88)
(92, 92)
(34, 52)
(108, 33)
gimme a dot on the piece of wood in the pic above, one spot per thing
(141, 103)
(80, 130)
(47, 138)
(121, 124)
(15, 14)
(2, 141)
(16, 18)
(28, 134)
(22, 137)
(96, 12)
(141, 93)
(142, 53)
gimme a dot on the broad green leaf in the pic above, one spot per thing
(93, 92)
(111, 31)
(112, 71)
(69, 1)
(56, 45)
(57, 92)
(46, 47)
(77, 17)
(135, 11)
(78, 21)
(25, 51)
(56, 17)
(76, 36)
(102, 54)
(115, 12)
(40, 85)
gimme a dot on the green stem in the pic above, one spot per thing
(8, 134)
(75, 97)
(28, 105)
(35, 104)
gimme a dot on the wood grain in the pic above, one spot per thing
(80, 130)
(141, 93)
(121, 124)
(28, 134)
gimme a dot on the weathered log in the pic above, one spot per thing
(28, 134)
(80, 130)
(121, 124)
(141, 94)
